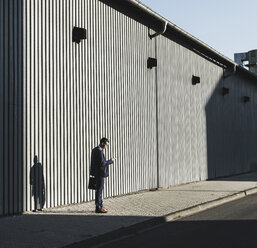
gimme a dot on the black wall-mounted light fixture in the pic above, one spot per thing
(151, 62)
(225, 91)
(246, 99)
(78, 34)
(195, 80)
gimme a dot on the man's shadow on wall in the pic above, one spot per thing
(38, 185)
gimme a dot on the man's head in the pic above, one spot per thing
(104, 142)
(35, 160)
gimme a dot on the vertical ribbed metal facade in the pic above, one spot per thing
(58, 98)
(231, 128)
(202, 134)
(181, 112)
(77, 93)
(11, 107)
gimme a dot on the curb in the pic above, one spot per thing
(251, 191)
(153, 222)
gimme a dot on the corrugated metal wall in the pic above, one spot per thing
(59, 98)
(77, 93)
(231, 124)
(11, 107)
(202, 134)
(181, 112)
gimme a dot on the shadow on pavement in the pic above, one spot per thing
(58, 230)
(201, 234)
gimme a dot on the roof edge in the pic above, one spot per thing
(149, 18)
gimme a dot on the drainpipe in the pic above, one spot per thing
(158, 33)
(151, 36)
(157, 120)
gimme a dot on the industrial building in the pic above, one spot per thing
(73, 71)
(248, 60)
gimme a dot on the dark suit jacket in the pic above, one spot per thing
(99, 166)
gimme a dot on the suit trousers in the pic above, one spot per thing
(99, 192)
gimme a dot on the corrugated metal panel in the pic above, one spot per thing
(58, 98)
(75, 94)
(202, 134)
(2, 80)
(182, 124)
(11, 118)
(234, 141)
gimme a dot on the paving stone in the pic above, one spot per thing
(65, 225)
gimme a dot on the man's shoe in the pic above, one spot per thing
(101, 211)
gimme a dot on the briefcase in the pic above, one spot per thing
(92, 183)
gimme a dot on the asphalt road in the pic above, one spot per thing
(233, 224)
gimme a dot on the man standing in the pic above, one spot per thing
(100, 169)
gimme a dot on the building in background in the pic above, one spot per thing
(73, 71)
(248, 59)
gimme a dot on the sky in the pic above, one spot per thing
(228, 26)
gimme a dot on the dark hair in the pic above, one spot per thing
(104, 140)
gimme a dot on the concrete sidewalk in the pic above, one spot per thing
(67, 225)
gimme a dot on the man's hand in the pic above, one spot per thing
(113, 159)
